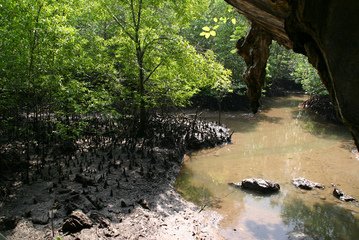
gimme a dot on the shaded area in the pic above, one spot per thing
(321, 221)
(316, 125)
(199, 195)
(326, 32)
(322, 106)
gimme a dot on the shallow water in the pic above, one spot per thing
(280, 143)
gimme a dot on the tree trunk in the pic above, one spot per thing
(219, 112)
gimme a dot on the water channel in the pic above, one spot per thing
(280, 143)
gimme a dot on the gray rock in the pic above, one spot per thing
(41, 218)
(342, 196)
(76, 222)
(258, 185)
(306, 184)
(298, 236)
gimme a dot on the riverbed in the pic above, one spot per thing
(279, 143)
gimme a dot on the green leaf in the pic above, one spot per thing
(206, 28)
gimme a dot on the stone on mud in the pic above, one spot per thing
(76, 222)
(258, 185)
(41, 218)
(342, 196)
(306, 184)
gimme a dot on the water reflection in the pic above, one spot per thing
(315, 125)
(280, 143)
(199, 195)
(320, 221)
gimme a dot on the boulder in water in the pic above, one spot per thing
(306, 184)
(258, 185)
(342, 196)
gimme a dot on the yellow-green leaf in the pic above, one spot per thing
(216, 27)
(207, 29)
(213, 33)
(215, 19)
(207, 35)
(234, 21)
(202, 34)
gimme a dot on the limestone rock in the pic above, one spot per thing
(342, 196)
(306, 184)
(326, 32)
(76, 222)
(258, 185)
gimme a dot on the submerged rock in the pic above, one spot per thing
(76, 222)
(342, 196)
(306, 184)
(258, 185)
(296, 235)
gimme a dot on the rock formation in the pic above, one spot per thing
(342, 196)
(255, 51)
(325, 31)
(306, 184)
(257, 185)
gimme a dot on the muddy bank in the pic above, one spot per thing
(123, 185)
(323, 107)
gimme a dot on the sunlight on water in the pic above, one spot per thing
(280, 143)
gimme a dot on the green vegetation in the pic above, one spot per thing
(285, 65)
(219, 28)
(63, 60)
(68, 65)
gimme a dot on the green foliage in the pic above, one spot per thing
(308, 77)
(284, 64)
(50, 63)
(218, 29)
(64, 60)
(281, 62)
(159, 66)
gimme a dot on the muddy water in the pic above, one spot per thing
(280, 143)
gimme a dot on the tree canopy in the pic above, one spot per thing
(62, 60)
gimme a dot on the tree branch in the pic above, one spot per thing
(118, 21)
(153, 71)
(154, 41)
